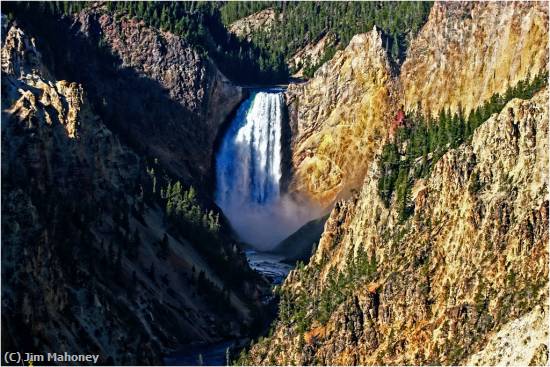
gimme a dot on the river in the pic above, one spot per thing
(217, 354)
(248, 190)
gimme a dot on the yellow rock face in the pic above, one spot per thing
(465, 53)
(62, 101)
(462, 56)
(462, 276)
(465, 265)
(339, 119)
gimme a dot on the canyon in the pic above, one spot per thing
(141, 189)
(466, 263)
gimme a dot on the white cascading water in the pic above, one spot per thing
(248, 164)
(248, 173)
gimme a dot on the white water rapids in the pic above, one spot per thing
(248, 174)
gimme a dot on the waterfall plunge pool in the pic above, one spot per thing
(248, 191)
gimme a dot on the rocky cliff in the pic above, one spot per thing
(204, 96)
(90, 263)
(165, 98)
(338, 119)
(260, 21)
(460, 279)
(311, 54)
(466, 52)
(447, 282)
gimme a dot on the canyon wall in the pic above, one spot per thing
(164, 97)
(466, 52)
(472, 258)
(180, 134)
(90, 263)
(457, 281)
(338, 119)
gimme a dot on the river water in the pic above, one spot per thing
(270, 265)
(217, 354)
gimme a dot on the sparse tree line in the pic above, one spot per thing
(421, 141)
(182, 205)
(308, 307)
(199, 23)
(183, 213)
(309, 68)
(187, 219)
(301, 310)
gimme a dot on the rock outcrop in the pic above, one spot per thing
(260, 21)
(436, 287)
(521, 342)
(458, 281)
(311, 54)
(204, 96)
(338, 119)
(165, 98)
(190, 78)
(466, 52)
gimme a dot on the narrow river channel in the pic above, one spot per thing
(219, 354)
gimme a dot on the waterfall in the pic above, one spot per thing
(248, 165)
(248, 168)
(248, 174)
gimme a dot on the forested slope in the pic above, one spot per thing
(264, 56)
(297, 24)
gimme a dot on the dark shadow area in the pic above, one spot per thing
(288, 131)
(135, 107)
(301, 245)
(211, 180)
(396, 48)
(142, 115)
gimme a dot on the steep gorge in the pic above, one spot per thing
(467, 52)
(107, 123)
(151, 87)
(432, 289)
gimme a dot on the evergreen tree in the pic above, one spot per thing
(425, 137)
(164, 246)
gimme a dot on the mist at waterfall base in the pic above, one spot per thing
(248, 174)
